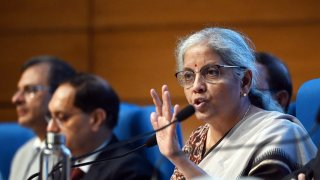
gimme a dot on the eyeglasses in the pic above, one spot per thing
(209, 73)
(63, 117)
(29, 91)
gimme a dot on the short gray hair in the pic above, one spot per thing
(235, 49)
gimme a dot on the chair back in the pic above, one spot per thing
(135, 120)
(12, 136)
(308, 106)
(292, 108)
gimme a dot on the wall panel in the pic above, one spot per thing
(298, 46)
(168, 13)
(134, 62)
(19, 15)
(15, 50)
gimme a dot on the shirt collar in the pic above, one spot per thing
(38, 144)
(92, 157)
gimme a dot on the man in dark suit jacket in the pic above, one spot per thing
(127, 167)
(85, 109)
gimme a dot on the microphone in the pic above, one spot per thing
(185, 113)
(181, 116)
(150, 142)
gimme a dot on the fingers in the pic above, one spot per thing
(167, 106)
(175, 111)
(301, 176)
(156, 101)
(154, 120)
(163, 106)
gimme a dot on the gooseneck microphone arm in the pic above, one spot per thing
(150, 142)
(111, 158)
(182, 115)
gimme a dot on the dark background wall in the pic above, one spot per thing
(131, 42)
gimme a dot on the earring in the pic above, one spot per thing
(244, 94)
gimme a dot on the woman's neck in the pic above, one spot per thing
(218, 128)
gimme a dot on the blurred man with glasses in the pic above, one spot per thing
(274, 77)
(40, 76)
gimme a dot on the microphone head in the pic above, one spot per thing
(185, 113)
(151, 141)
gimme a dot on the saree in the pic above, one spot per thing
(259, 144)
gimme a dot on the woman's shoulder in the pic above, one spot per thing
(277, 135)
(262, 124)
(274, 119)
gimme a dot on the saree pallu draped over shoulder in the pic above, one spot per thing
(264, 144)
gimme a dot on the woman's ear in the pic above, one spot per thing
(246, 82)
(98, 118)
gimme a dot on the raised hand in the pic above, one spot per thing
(167, 139)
